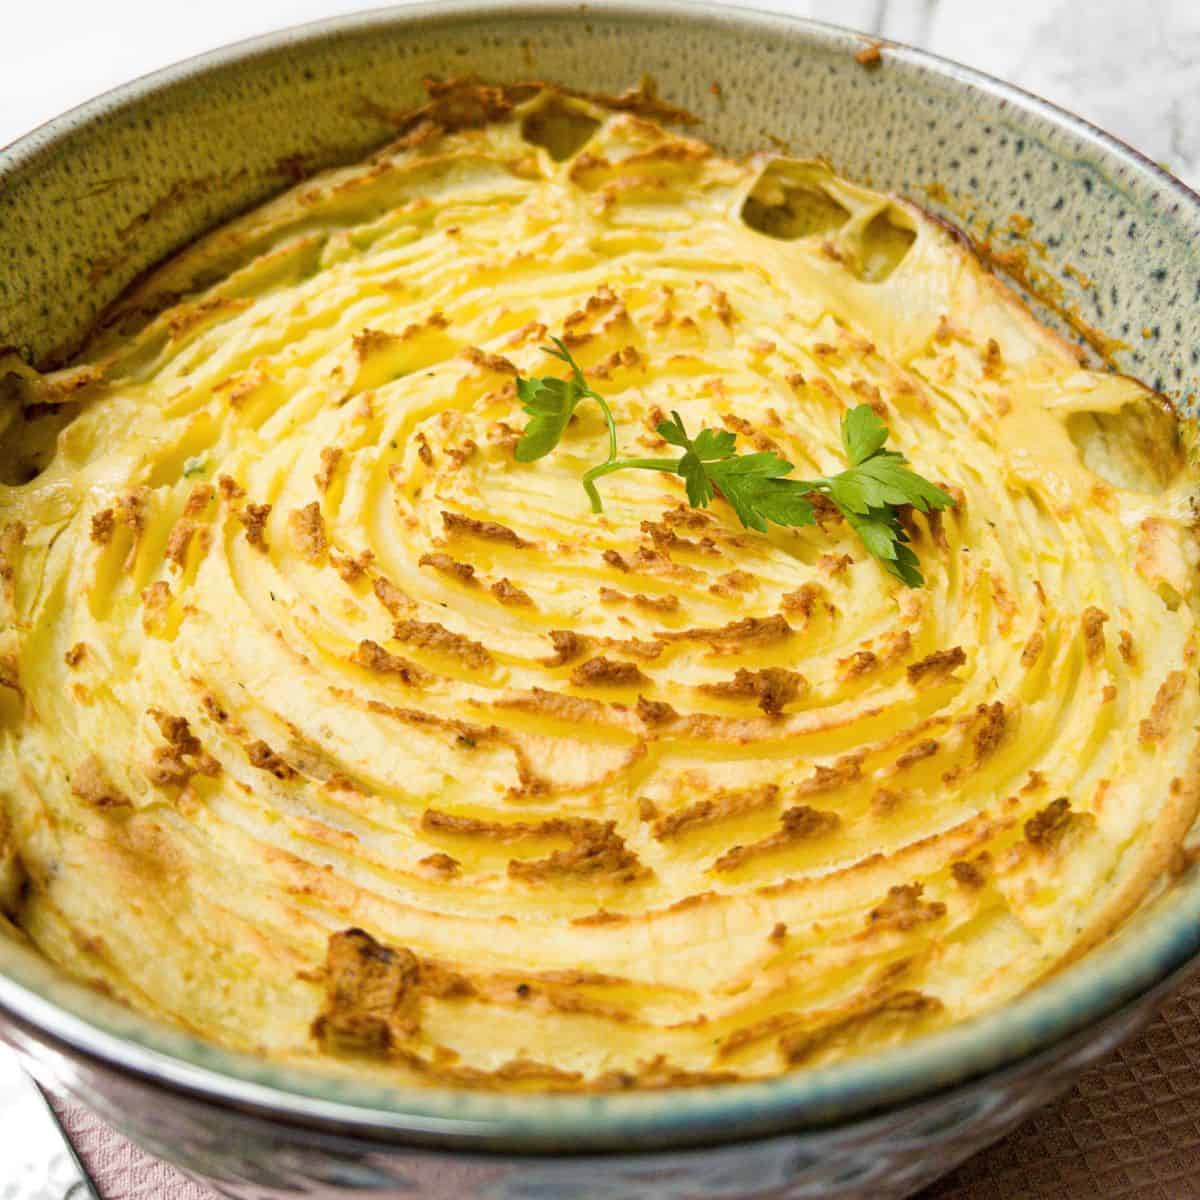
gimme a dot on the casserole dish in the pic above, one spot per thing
(298, 1133)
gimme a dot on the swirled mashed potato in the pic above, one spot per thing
(333, 733)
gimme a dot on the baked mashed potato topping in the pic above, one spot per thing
(332, 733)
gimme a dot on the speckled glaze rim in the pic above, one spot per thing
(78, 1022)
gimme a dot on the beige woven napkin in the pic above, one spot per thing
(1129, 1131)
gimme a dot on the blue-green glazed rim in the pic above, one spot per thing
(1156, 943)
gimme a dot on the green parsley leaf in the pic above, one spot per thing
(869, 494)
(863, 433)
(753, 484)
(550, 404)
(194, 466)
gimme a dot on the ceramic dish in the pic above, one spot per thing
(94, 198)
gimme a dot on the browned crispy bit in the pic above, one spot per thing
(926, 748)
(721, 306)
(1092, 623)
(778, 934)
(726, 803)
(351, 567)
(750, 631)
(424, 450)
(662, 604)
(1125, 647)
(847, 769)
(600, 917)
(176, 731)
(442, 865)
(167, 768)
(434, 820)
(615, 560)
(373, 657)
(372, 996)
(936, 667)
(437, 980)
(367, 342)
(804, 600)
(664, 537)
(489, 362)
(104, 523)
(532, 331)
(254, 518)
(606, 672)
(131, 512)
(307, 529)
(265, 759)
(1046, 828)
(330, 457)
(992, 723)
(993, 360)
(871, 394)
(904, 1006)
(502, 434)
(508, 593)
(885, 801)
(835, 565)
(655, 712)
(903, 908)
(463, 572)
(568, 646)
(1033, 649)
(828, 515)
(182, 757)
(488, 531)
(178, 542)
(199, 498)
(1157, 725)
(647, 809)
(92, 784)
(430, 635)
(853, 666)
(12, 538)
(156, 604)
(10, 673)
(76, 654)
(970, 874)
(458, 455)
(596, 849)
(229, 488)
(394, 599)
(797, 824)
(771, 688)
(733, 583)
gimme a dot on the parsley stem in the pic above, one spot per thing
(610, 422)
(620, 464)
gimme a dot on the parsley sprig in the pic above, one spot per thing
(869, 493)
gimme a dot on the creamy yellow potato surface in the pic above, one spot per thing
(334, 734)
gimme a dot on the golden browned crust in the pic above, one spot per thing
(432, 635)
(371, 996)
(719, 797)
(604, 672)
(254, 518)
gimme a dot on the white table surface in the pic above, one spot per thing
(1132, 68)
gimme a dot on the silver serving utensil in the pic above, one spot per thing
(37, 1160)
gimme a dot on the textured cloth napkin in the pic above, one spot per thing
(1129, 1131)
